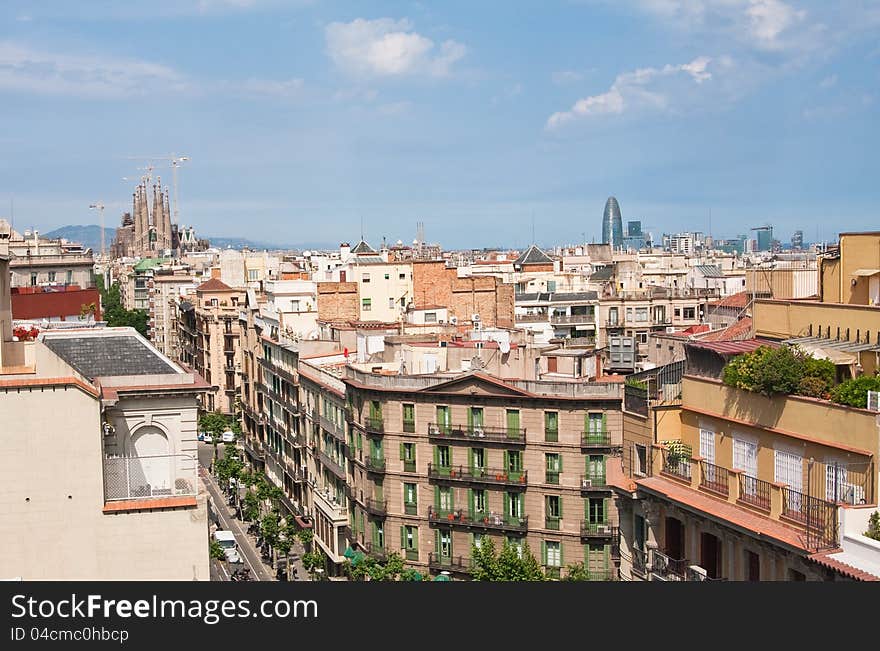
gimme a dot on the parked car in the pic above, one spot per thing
(208, 437)
(227, 542)
(201, 436)
(228, 436)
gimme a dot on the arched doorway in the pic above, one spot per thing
(152, 464)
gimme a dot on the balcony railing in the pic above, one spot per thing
(482, 433)
(754, 491)
(332, 465)
(676, 465)
(374, 424)
(595, 439)
(253, 447)
(517, 478)
(376, 551)
(818, 516)
(530, 318)
(714, 478)
(596, 529)
(376, 507)
(375, 464)
(639, 562)
(572, 319)
(409, 465)
(488, 521)
(593, 481)
(460, 564)
(410, 508)
(337, 431)
(667, 568)
(149, 477)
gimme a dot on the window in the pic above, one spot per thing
(408, 455)
(253, 274)
(595, 428)
(596, 510)
(443, 421)
(745, 458)
(430, 317)
(553, 508)
(409, 418)
(612, 316)
(642, 337)
(641, 459)
(69, 278)
(475, 420)
(390, 303)
(365, 278)
(387, 276)
(554, 466)
(641, 314)
(789, 469)
(690, 313)
(444, 543)
(707, 451)
(838, 488)
(214, 302)
(516, 544)
(410, 499)
(51, 276)
(552, 364)
(514, 506)
(513, 464)
(366, 304)
(478, 503)
(401, 276)
(442, 457)
(551, 425)
(553, 553)
(378, 535)
(677, 312)
(409, 537)
(629, 315)
(443, 499)
(551, 285)
(752, 566)
(478, 540)
(477, 460)
(513, 423)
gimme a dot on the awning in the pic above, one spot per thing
(442, 577)
(833, 355)
(866, 272)
(349, 552)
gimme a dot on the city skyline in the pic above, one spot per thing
(477, 124)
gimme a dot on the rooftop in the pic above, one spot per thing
(214, 285)
(533, 255)
(108, 352)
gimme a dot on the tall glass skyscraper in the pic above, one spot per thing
(612, 224)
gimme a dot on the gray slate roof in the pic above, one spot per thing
(533, 255)
(604, 273)
(710, 270)
(363, 247)
(96, 356)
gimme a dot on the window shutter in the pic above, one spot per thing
(543, 553)
(470, 458)
(470, 500)
(586, 422)
(402, 453)
(560, 507)
(561, 548)
(403, 537)
(437, 497)
(436, 457)
(506, 505)
(437, 541)
(416, 539)
(560, 462)
(604, 422)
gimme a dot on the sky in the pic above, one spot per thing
(488, 121)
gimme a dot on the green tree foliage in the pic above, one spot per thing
(873, 531)
(305, 537)
(786, 370)
(229, 467)
(409, 574)
(216, 550)
(577, 572)
(313, 560)
(251, 507)
(855, 392)
(216, 422)
(270, 528)
(116, 315)
(508, 565)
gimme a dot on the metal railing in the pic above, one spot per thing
(481, 475)
(375, 464)
(596, 529)
(668, 568)
(593, 481)
(754, 491)
(451, 563)
(376, 551)
(639, 562)
(376, 507)
(331, 464)
(374, 424)
(489, 520)
(572, 319)
(515, 435)
(530, 318)
(818, 516)
(149, 477)
(676, 465)
(714, 478)
(595, 439)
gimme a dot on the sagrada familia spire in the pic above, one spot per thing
(149, 231)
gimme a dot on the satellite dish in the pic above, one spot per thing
(307, 254)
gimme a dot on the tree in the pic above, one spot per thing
(251, 509)
(786, 370)
(115, 313)
(512, 564)
(855, 392)
(306, 536)
(270, 529)
(577, 572)
(213, 421)
(485, 560)
(873, 531)
(216, 550)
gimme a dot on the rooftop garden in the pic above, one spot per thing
(787, 370)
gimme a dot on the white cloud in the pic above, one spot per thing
(30, 70)
(769, 18)
(829, 82)
(388, 48)
(637, 90)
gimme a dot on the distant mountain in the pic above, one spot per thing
(89, 236)
(240, 243)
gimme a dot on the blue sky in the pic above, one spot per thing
(303, 118)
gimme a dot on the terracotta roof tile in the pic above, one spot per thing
(23, 383)
(214, 285)
(738, 300)
(825, 559)
(149, 505)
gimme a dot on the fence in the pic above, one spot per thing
(149, 477)
(818, 516)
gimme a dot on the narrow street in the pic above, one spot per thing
(251, 556)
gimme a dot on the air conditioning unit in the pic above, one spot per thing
(697, 573)
(478, 431)
(874, 400)
(453, 320)
(670, 328)
(587, 483)
(433, 430)
(603, 529)
(475, 318)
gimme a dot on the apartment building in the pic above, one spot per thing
(99, 479)
(559, 316)
(208, 330)
(722, 483)
(438, 464)
(165, 288)
(36, 261)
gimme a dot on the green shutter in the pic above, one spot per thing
(402, 455)
(416, 539)
(437, 497)
(586, 422)
(471, 459)
(506, 504)
(436, 457)
(470, 501)
(561, 552)
(403, 537)
(506, 462)
(437, 542)
(560, 507)
(604, 510)
(543, 552)
(470, 418)
(604, 423)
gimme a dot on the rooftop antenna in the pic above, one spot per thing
(362, 228)
(533, 227)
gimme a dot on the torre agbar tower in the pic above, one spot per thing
(612, 224)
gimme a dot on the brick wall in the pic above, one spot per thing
(434, 284)
(338, 302)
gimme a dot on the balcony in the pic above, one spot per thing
(666, 568)
(597, 530)
(378, 508)
(458, 564)
(149, 478)
(754, 492)
(376, 552)
(254, 447)
(714, 478)
(572, 319)
(593, 481)
(530, 318)
(674, 465)
(409, 465)
(374, 425)
(477, 433)
(375, 464)
(594, 439)
(326, 502)
(410, 508)
(296, 474)
(459, 518)
(509, 478)
(331, 465)
(337, 431)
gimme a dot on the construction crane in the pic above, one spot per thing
(175, 161)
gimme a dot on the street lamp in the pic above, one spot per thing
(100, 207)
